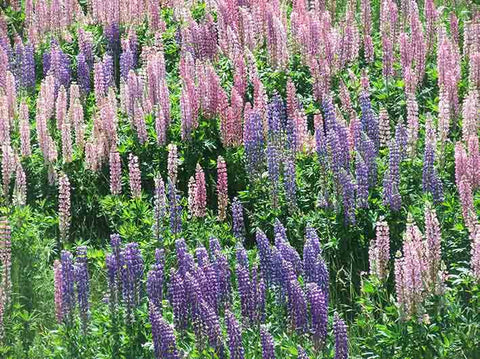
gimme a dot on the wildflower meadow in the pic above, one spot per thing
(243, 179)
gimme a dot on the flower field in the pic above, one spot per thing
(239, 179)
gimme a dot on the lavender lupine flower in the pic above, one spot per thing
(115, 172)
(379, 253)
(163, 336)
(135, 176)
(172, 163)
(238, 223)
(132, 275)
(127, 63)
(268, 345)
(319, 314)
(253, 140)
(112, 33)
(159, 207)
(368, 118)
(341, 340)
(222, 188)
(290, 182)
(82, 281)
(265, 254)
(64, 206)
(361, 173)
(68, 285)
(57, 275)
(234, 336)
(175, 209)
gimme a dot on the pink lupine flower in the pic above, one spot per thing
(466, 199)
(20, 192)
(433, 247)
(384, 127)
(6, 262)
(200, 193)
(24, 119)
(161, 128)
(64, 206)
(115, 172)
(66, 142)
(61, 108)
(192, 189)
(135, 176)
(222, 188)
(470, 112)
(474, 161)
(379, 253)
(443, 119)
(78, 124)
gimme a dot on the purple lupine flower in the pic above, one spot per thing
(368, 119)
(287, 251)
(83, 73)
(238, 223)
(253, 140)
(311, 251)
(319, 314)
(83, 285)
(159, 207)
(132, 275)
(68, 285)
(163, 336)
(265, 254)
(234, 336)
(348, 196)
(155, 285)
(185, 260)
(112, 34)
(298, 306)
(112, 272)
(127, 63)
(175, 209)
(329, 114)
(301, 353)
(268, 345)
(202, 256)
(430, 179)
(401, 137)
(244, 286)
(28, 67)
(211, 327)
(341, 340)
(222, 270)
(241, 256)
(273, 166)
(290, 182)
(178, 299)
(108, 72)
(361, 172)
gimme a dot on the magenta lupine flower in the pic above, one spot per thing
(200, 193)
(115, 172)
(379, 252)
(222, 188)
(135, 176)
(172, 163)
(64, 206)
(24, 119)
(341, 340)
(57, 275)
